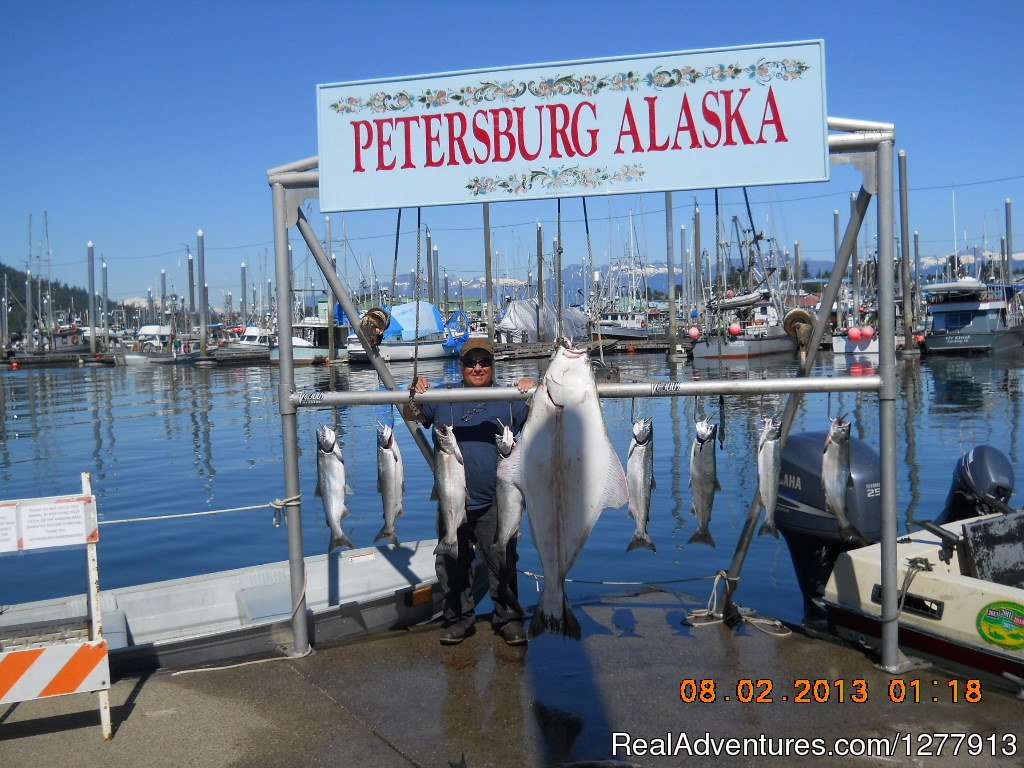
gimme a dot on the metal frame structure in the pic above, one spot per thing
(866, 145)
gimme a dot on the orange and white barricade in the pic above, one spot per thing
(40, 665)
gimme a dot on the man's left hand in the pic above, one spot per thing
(526, 384)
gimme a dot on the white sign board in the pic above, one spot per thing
(690, 120)
(47, 522)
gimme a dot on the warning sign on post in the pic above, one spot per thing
(48, 522)
(8, 527)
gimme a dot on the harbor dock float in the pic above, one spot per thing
(639, 676)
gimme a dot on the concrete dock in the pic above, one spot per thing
(402, 700)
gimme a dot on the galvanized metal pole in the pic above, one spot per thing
(739, 388)
(106, 313)
(540, 282)
(698, 263)
(799, 282)
(892, 659)
(437, 276)
(201, 248)
(29, 338)
(1004, 273)
(289, 424)
(163, 295)
(909, 348)
(670, 247)
(430, 269)
(855, 278)
(1009, 241)
(917, 280)
(92, 299)
(191, 288)
(331, 346)
(487, 271)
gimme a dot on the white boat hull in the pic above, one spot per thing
(401, 351)
(772, 341)
(160, 358)
(945, 616)
(247, 611)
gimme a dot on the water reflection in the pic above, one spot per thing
(176, 439)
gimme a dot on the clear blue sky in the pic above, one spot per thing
(136, 124)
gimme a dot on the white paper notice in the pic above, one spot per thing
(8, 527)
(52, 523)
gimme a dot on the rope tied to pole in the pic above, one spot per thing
(279, 506)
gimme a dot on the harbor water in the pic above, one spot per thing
(165, 440)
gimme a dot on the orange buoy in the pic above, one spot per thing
(15, 365)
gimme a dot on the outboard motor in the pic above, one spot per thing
(982, 484)
(811, 532)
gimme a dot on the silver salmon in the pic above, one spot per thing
(835, 477)
(640, 482)
(508, 499)
(449, 488)
(769, 464)
(703, 480)
(331, 486)
(568, 472)
(390, 482)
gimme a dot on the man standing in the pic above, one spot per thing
(476, 425)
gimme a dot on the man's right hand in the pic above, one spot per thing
(418, 386)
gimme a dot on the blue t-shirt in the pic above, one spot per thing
(476, 426)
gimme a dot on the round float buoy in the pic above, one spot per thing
(15, 365)
(854, 334)
(734, 329)
(693, 333)
(867, 332)
(730, 293)
(919, 338)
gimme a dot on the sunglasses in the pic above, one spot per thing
(473, 362)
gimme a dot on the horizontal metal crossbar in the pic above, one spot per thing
(816, 384)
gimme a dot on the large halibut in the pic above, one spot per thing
(568, 472)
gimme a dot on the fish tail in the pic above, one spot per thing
(567, 625)
(641, 541)
(387, 534)
(340, 541)
(562, 622)
(769, 529)
(447, 548)
(702, 536)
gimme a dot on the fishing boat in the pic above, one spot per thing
(251, 338)
(246, 611)
(160, 345)
(968, 316)
(622, 324)
(518, 323)
(961, 576)
(437, 339)
(621, 311)
(311, 342)
(742, 326)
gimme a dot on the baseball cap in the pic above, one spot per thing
(477, 342)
